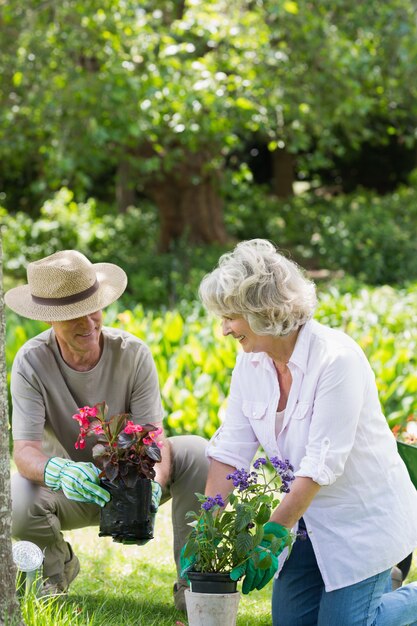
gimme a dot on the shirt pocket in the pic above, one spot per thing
(254, 410)
(302, 409)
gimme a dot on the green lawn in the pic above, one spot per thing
(132, 586)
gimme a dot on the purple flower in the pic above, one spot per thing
(242, 479)
(286, 472)
(211, 502)
(259, 462)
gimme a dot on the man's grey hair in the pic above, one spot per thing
(258, 283)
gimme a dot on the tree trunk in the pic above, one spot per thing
(189, 203)
(125, 187)
(283, 173)
(9, 606)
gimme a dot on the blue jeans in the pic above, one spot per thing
(299, 597)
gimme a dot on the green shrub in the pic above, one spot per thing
(129, 240)
(367, 236)
(194, 361)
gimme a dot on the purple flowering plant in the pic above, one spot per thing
(226, 532)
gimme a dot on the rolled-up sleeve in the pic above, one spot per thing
(337, 407)
(235, 442)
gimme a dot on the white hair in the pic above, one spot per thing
(258, 283)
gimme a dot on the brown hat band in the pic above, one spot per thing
(76, 297)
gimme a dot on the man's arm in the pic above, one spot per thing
(163, 469)
(30, 460)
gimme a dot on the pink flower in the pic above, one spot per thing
(152, 436)
(82, 420)
(80, 444)
(97, 429)
(131, 428)
(89, 411)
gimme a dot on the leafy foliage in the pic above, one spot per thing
(90, 87)
(127, 239)
(223, 539)
(124, 451)
(365, 235)
(194, 361)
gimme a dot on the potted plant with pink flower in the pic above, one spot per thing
(125, 453)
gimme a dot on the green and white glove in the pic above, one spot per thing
(156, 496)
(258, 575)
(78, 481)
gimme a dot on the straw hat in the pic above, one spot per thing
(66, 285)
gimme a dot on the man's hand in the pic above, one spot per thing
(259, 571)
(78, 481)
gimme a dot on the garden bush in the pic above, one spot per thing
(127, 239)
(194, 361)
(366, 236)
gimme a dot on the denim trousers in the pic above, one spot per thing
(299, 597)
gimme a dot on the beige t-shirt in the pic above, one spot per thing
(46, 392)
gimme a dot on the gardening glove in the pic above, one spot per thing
(257, 576)
(78, 481)
(186, 563)
(156, 496)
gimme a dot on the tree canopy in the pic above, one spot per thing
(155, 97)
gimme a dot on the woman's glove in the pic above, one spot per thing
(259, 574)
(186, 563)
(78, 481)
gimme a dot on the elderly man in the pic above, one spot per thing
(79, 362)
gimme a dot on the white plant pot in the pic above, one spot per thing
(211, 609)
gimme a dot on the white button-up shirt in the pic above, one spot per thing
(364, 518)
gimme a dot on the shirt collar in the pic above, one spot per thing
(299, 356)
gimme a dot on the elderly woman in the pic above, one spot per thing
(306, 392)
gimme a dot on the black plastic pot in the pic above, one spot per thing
(127, 517)
(211, 582)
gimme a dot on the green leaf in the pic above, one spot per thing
(191, 549)
(243, 517)
(258, 536)
(243, 544)
(291, 7)
(245, 104)
(264, 514)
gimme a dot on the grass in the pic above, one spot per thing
(132, 586)
(129, 585)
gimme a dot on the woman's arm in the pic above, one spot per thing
(216, 479)
(296, 502)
